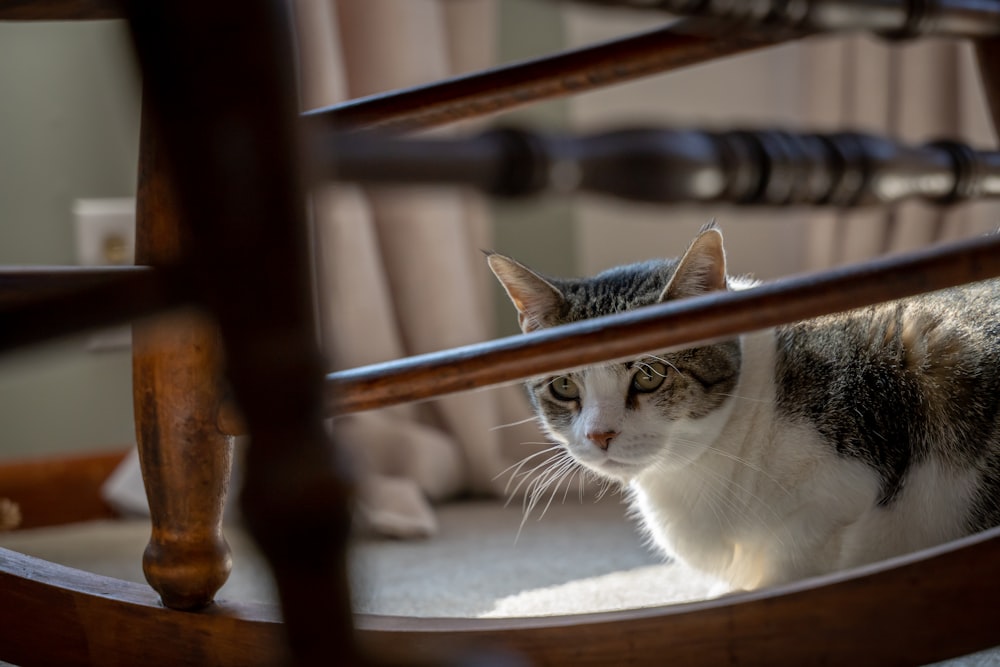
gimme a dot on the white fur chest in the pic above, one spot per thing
(765, 501)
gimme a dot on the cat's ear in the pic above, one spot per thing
(537, 300)
(702, 269)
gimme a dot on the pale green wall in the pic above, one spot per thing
(537, 231)
(68, 130)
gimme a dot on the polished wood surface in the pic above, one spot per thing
(59, 489)
(22, 283)
(656, 328)
(548, 77)
(58, 10)
(54, 615)
(46, 305)
(177, 387)
(468, 96)
(208, 65)
(909, 611)
(235, 165)
(912, 610)
(750, 167)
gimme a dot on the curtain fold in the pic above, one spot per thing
(400, 270)
(914, 92)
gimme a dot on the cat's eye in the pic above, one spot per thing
(650, 376)
(564, 388)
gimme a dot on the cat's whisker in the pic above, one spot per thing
(532, 483)
(569, 482)
(763, 401)
(553, 482)
(549, 382)
(605, 487)
(664, 362)
(648, 369)
(540, 481)
(520, 464)
(555, 489)
(527, 475)
(523, 477)
(534, 418)
(551, 476)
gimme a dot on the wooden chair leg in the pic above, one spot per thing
(176, 369)
(220, 79)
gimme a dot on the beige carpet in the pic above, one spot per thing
(580, 557)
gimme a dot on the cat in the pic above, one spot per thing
(789, 452)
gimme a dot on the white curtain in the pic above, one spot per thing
(401, 270)
(915, 91)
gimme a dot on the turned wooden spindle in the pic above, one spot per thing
(176, 369)
(220, 79)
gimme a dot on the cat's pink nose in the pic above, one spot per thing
(602, 439)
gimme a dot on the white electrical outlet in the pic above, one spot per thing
(105, 236)
(105, 231)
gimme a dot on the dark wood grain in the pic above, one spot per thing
(59, 489)
(548, 77)
(176, 387)
(656, 328)
(19, 284)
(220, 83)
(913, 611)
(761, 167)
(59, 10)
(910, 611)
(49, 305)
(54, 615)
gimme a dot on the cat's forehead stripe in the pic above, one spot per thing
(616, 290)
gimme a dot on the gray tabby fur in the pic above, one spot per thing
(789, 452)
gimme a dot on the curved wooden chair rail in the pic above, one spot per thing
(490, 91)
(761, 167)
(848, 618)
(295, 497)
(656, 328)
(748, 167)
(913, 610)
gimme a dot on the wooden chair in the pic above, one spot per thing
(222, 178)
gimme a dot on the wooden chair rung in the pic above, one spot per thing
(59, 10)
(559, 74)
